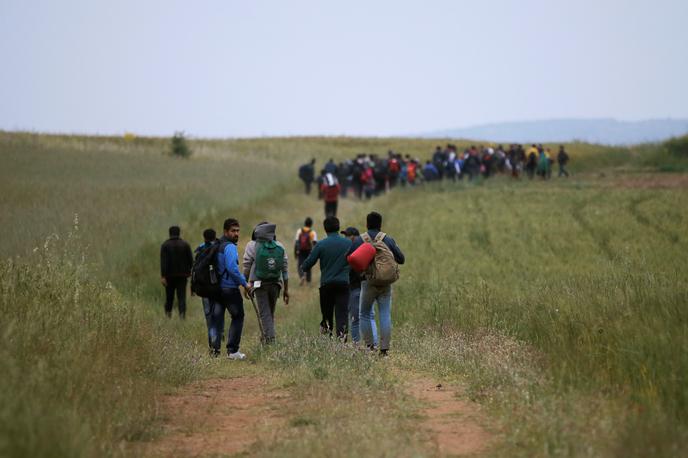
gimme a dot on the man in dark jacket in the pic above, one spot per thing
(307, 174)
(334, 278)
(209, 238)
(380, 294)
(562, 160)
(176, 260)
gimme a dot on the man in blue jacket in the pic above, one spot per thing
(233, 284)
(380, 294)
(334, 277)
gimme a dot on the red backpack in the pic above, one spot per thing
(305, 243)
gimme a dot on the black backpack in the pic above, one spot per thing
(205, 278)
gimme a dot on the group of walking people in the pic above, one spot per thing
(368, 175)
(347, 294)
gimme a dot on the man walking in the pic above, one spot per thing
(377, 286)
(233, 284)
(305, 240)
(265, 265)
(334, 278)
(307, 174)
(355, 279)
(562, 160)
(209, 238)
(330, 191)
(176, 260)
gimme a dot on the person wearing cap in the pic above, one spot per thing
(355, 279)
(334, 278)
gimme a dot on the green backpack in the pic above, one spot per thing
(269, 261)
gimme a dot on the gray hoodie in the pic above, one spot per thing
(263, 232)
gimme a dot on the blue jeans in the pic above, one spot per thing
(354, 303)
(208, 313)
(231, 301)
(383, 296)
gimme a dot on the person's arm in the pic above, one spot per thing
(231, 265)
(311, 259)
(163, 265)
(396, 251)
(358, 241)
(249, 258)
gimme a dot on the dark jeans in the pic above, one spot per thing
(334, 300)
(308, 186)
(562, 170)
(178, 285)
(231, 301)
(330, 209)
(302, 257)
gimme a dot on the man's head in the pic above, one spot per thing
(308, 222)
(231, 229)
(209, 235)
(351, 233)
(331, 224)
(374, 221)
(174, 231)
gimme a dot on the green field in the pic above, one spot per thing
(560, 305)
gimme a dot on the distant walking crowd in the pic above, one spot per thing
(368, 175)
(357, 272)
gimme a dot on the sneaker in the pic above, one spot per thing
(236, 355)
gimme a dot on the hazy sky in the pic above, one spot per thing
(250, 67)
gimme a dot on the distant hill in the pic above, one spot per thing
(604, 131)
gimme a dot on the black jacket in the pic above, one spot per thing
(176, 258)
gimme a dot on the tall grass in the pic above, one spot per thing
(593, 278)
(80, 363)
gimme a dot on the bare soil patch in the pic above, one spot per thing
(218, 417)
(454, 422)
(652, 181)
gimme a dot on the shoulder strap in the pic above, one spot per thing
(366, 238)
(380, 235)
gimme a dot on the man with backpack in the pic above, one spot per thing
(265, 265)
(176, 260)
(334, 278)
(307, 174)
(330, 191)
(355, 279)
(306, 238)
(377, 286)
(232, 285)
(209, 238)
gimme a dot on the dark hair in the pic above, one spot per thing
(308, 222)
(374, 221)
(209, 235)
(331, 224)
(174, 231)
(229, 223)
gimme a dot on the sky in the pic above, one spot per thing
(238, 68)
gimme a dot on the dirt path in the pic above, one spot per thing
(452, 421)
(222, 417)
(218, 417)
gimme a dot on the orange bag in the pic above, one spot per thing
(361, 258)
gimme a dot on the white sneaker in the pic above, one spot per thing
(236, 355)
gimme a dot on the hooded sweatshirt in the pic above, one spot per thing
(263, 232)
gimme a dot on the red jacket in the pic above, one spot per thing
(330, 193)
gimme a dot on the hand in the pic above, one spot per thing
(285, 296)
(163, 280)
(248, 290)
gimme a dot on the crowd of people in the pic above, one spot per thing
(368, 175)
(353, 279)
